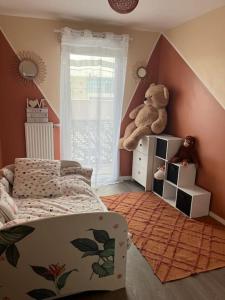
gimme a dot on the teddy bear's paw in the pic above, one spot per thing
(121, 143)
(130, 144)
(157, 128)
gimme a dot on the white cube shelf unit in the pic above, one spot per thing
(178, 188)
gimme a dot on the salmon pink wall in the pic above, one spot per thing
(13, 95)
(138, 98)
(194, 111)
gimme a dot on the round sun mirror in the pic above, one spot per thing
(28, 69)
(141, 72)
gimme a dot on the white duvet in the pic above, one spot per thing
(78, 197)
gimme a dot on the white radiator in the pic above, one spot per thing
(39, 140)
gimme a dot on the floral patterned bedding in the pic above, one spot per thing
(77, 197)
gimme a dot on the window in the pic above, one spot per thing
(93, 73)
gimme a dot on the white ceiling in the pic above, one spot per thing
(149, 14)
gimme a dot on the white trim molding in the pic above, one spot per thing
(216, 217)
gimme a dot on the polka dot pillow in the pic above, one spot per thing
(36, 178)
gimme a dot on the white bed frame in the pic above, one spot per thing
(60, 256)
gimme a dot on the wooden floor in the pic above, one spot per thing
(142, 284)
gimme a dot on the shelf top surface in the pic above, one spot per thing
(168, 137)
(194, 190)
(181, 166)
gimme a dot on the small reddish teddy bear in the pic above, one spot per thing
(186, 153)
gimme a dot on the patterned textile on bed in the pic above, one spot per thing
(36, 178)
(77, 197)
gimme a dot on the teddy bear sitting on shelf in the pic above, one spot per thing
(148, 118)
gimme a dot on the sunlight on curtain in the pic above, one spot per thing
(92, 88)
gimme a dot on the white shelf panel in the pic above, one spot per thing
(172, 202)
(171, 183)
(157, 194)
(194, 190)
(168, 137)
(160, 158)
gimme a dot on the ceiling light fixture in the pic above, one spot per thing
(123, 6)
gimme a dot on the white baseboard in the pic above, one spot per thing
(124, 178)
(217, 218)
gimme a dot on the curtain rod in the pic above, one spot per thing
(94, 33)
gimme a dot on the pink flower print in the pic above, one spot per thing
(56, 270)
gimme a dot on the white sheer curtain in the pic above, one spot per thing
(93, 68)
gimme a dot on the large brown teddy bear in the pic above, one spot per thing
(149, 118)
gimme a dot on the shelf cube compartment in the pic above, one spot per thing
(158, 186)
(161, 148)
(183, 202)
(193, 201)
(181, 175)
(158, 162)
(167, 146)
(172, 173)
(169, 193)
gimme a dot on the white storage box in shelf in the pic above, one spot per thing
(142, 169)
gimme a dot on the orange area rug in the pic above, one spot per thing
(174, 245)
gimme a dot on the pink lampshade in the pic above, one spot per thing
(123, 6)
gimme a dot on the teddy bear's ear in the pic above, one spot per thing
(166, 93)
(152, 84)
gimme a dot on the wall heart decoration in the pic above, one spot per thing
(33, 103)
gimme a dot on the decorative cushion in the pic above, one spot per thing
(8, 207)
(86, 172)
(36, 178)
(8, 173)
(1, 224)
(2, 220)
(69, 163)
(5, 184)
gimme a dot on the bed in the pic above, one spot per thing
(62, 244)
